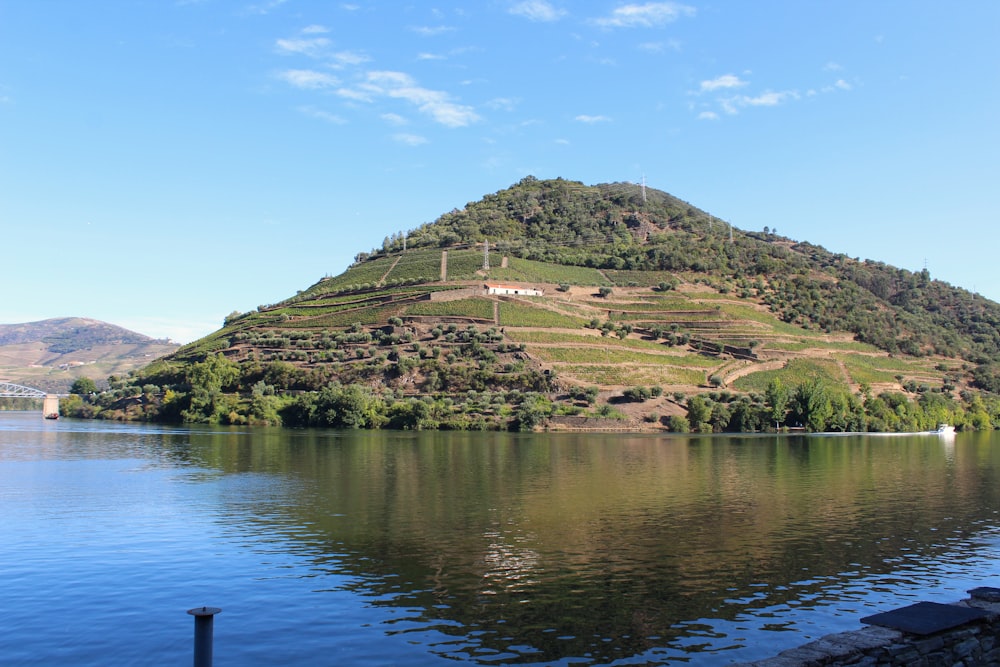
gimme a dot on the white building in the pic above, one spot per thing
(496, 288)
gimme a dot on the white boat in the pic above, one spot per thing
(944, 429)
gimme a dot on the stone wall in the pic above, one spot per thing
(974, 643)
(581, 423)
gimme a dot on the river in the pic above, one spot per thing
(390, 548)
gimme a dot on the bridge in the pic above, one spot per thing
(50, 402)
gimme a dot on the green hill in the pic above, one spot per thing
(633, 309)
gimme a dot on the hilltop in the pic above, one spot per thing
(559, 304)
(51, 354)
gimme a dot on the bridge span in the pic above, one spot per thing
(50, 402)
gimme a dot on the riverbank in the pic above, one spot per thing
(925, 633)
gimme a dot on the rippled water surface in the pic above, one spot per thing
(337, 548)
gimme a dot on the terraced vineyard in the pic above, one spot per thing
(628, 337)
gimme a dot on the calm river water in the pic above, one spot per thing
(337, 548)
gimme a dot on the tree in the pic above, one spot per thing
(677, 424)
(812, 406)
(699, 412)
(83, 386)
(746, 417)
(353, 406)
(533, 409)
(604, 291)
(408, 414)
(207, 380)
(776, 400)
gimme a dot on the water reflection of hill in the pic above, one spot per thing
(533, 548)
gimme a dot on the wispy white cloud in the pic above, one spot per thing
(722, 82)
(648, 15)
(348, 58)
(537, 10)
(502, 104)
(265, 7)
(590, 120)
(409, 139)
(660, 47)
(399, 85)
(358, 94)
(432, 31)
(312, 46)
(394, 119)
(307, 78)
(320, 114)
(314, 29)
(840, 85)
(769, 98)
(431, 56)
(732, 105)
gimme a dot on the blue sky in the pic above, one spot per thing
(164, 163)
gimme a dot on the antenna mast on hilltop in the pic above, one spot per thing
(486, 255)
(642, 187)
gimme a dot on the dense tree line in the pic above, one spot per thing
(817, 406)
(218, 390)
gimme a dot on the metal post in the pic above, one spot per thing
(203, 634)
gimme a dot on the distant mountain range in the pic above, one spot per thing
(50, 354)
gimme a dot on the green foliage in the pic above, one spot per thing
(532, 410)
(776, 397)
(409, 414)
(698, 414)
(83, 386)
(336, 406)
(678, 424)
(206, 381)
(987, 377)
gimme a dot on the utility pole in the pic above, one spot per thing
(486, 255)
